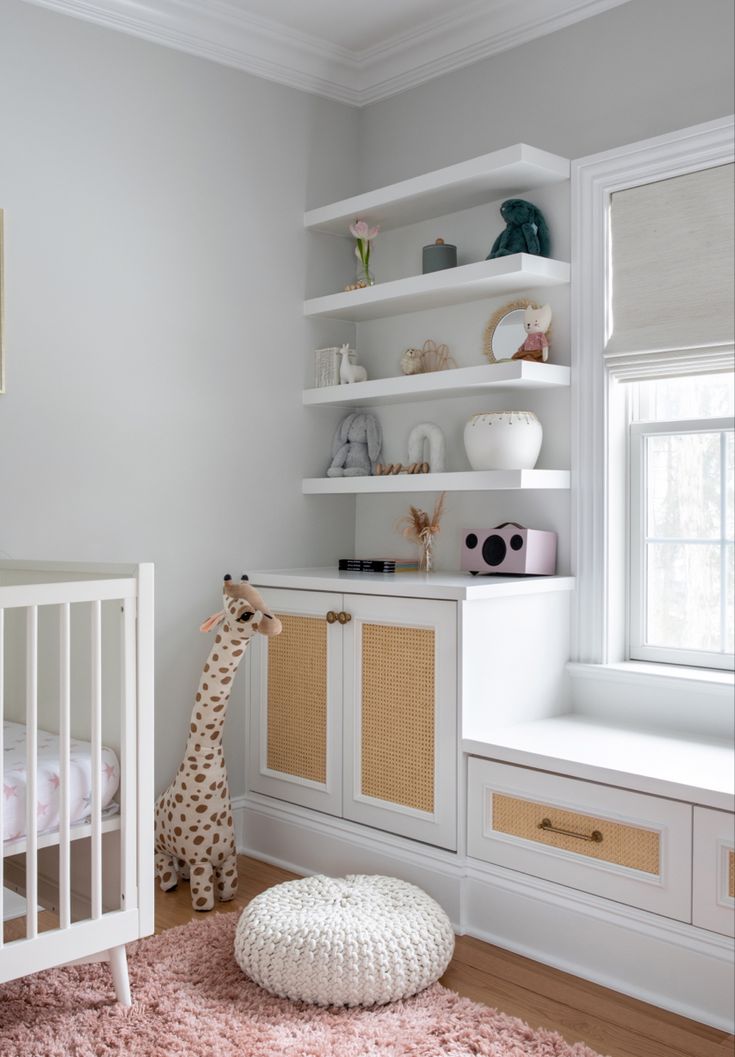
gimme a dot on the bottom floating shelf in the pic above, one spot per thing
(462, 481)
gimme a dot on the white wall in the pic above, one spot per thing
(638, 70)
(154, 277)
(641, 69)
(155, 271)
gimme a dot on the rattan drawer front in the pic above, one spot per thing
(618, 844)
(598, 838)
(713, 902)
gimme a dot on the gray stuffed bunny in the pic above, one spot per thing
(356, 446)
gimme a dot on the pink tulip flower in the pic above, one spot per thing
(360, 230)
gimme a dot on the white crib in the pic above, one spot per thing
(76, 660)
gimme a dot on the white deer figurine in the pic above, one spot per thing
(350, 372)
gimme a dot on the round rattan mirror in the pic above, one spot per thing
(504, 333)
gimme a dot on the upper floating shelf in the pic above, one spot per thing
(470, 282)
(460, 381)
(501, 174)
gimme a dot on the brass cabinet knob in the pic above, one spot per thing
(331, 616)
(344, 618)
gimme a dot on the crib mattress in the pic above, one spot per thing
(48, 781)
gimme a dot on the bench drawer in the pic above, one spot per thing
(611, 842)
(713, 895)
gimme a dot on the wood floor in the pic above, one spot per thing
(610, 1023)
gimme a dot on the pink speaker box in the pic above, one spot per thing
(509, 549)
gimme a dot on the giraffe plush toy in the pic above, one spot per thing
(194, 832)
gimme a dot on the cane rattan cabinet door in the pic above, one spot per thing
(400, 716)
(296, 702)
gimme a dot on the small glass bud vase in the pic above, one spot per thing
(363, 275)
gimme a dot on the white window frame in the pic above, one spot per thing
(638, 649)
(599, 420)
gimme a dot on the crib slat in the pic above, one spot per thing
(128, 760)
(2, 761)
(64, 742)
(31, 768)
(96, 730)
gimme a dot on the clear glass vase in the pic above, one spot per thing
(363, 275)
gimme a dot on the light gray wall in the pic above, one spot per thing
(155, 271)
(640, 70)
(155, 260)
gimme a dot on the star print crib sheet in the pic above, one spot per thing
(48, 781)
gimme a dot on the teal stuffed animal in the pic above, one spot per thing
(526, 231)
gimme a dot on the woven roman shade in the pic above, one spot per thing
(673, 275)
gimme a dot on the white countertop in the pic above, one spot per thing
(457, 586)
(681, 766)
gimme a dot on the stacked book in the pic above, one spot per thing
(378, 565)
(326, 366)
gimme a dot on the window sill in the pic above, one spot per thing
(646, 673)
(663, 697)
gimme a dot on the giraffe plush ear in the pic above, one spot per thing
(213, 621)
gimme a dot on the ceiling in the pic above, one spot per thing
(354, 51)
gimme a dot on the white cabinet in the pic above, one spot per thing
(353, 710)
(713, 879)
(400, 716)
(295, 703)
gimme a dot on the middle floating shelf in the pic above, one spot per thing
(460, 481)
(479, 380)
(469, 282)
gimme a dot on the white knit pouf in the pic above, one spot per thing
(353, 941)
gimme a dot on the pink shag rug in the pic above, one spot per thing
(192, 1000)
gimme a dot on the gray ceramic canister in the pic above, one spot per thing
(437, 256)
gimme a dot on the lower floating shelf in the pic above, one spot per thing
(462, 481)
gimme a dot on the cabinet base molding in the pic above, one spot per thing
(686, 970)
(307, 842)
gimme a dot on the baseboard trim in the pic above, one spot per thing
(658, 960)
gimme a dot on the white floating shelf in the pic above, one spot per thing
(501, 174)
(470, 282)
(462, 381)
(462, 481)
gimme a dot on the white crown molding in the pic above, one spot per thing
(453, 41)
(224, 33)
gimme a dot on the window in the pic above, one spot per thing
(681, 551)
(652, 425)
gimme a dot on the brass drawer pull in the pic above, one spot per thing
(331, 617)
(344, 618)
(595, 836)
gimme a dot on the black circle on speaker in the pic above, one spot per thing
(494, 550)
(516, 542)
(470, 540)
